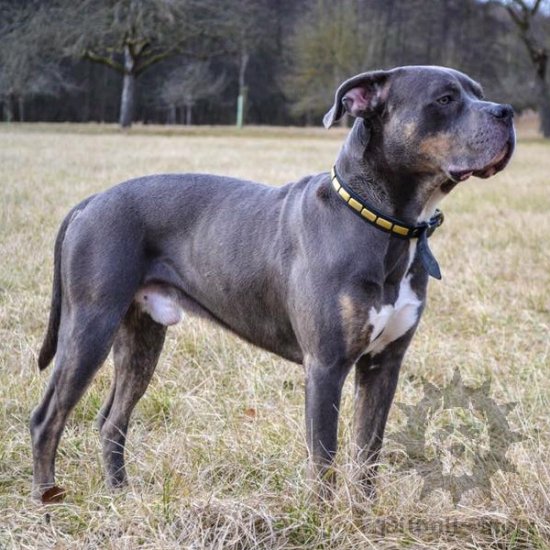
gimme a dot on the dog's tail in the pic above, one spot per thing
(49, 345)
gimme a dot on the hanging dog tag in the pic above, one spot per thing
(426, 257)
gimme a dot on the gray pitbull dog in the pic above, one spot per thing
(329, 272)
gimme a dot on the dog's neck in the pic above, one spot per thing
(362, 164)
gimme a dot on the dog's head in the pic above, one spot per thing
(429, 120)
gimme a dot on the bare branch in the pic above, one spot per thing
(516, 18)
(147, 62)
(190, 83)
(536, 7)
(108, 61)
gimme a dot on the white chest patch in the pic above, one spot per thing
(393, 321)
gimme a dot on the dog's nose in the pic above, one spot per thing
(503, 112)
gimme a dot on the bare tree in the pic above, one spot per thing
(246, 27)
(30, 64)
(130, 36)
(187, 85)
(324, 50)
(524, 15)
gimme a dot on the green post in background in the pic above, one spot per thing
(241, 103)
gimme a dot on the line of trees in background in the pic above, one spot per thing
(266, 61)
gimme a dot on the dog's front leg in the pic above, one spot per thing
(375, 383)
(323, 393)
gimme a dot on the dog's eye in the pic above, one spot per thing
(445, 100)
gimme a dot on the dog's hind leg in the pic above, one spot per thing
(136, 350)
(86, 335)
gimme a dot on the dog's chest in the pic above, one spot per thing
(392, 321)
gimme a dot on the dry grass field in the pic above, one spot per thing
(216, 452)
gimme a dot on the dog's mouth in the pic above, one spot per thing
(498, 163)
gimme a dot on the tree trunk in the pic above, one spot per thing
(127, 100)
(523, 17)
(389, 22)
(8, 108)
(544, 106)
(85, 117)
(171, 118)
(188, 114)
(241, 100)
(21, 104)
(103, 94)
(128, 90)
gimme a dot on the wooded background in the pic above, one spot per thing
(194, 61)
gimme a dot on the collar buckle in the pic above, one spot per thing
(434, 222)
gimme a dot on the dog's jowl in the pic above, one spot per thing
(330, 272)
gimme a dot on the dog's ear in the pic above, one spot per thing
(360, 96)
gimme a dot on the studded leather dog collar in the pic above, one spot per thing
(392, 225)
